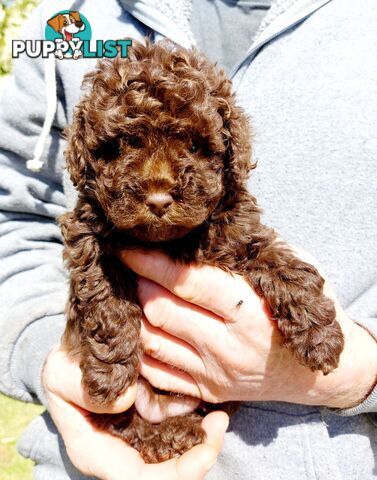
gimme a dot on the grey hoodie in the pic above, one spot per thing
(309, 84)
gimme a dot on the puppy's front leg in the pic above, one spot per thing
(103, 317)
(293, 290)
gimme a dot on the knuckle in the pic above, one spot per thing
(158, 319)
(154, 348)
(158, 312)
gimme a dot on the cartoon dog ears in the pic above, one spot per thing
(57, 22)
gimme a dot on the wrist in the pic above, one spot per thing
(356, 376)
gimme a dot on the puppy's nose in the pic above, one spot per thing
(159, 202)
(79, 24)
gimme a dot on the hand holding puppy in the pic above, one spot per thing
(207, 334)
(99, 454)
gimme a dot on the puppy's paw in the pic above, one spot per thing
(318, 347)
(104, 382)
(155, 442)
(176, 436)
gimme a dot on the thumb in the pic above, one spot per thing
(196, 462)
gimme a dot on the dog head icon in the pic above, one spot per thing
(67, 24)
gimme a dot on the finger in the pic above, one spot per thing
(179, 318)
(63, 375)
(194, 464)
(199, 285)
(164, 377)
(85, 444)
(214, 424)
(77, 431)
(170, 349)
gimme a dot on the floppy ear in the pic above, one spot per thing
(237, 161)
(77, 154)
(56, 22)
(76, 16)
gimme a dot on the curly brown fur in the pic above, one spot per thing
(163, 124)
(156, 443)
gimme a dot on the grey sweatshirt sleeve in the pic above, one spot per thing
(33, 285)
(369, 405)
(363, 310)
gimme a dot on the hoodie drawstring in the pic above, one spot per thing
(35, 164)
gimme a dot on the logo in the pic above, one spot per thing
(68, 35)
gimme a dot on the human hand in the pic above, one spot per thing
(99, 454)
(208, 334)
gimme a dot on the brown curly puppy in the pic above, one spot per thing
(160, 155)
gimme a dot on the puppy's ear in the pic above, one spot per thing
(75, 15)
(55, 22)
(77, 154)
(238, 135)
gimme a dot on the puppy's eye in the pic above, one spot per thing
(194, 147)
(108, 151)
(65, 22)
(135, 142)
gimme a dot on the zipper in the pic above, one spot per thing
(150, 16)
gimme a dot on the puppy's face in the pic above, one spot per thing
(161, 181)
(158, 142)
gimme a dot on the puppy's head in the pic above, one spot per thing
(158, 141)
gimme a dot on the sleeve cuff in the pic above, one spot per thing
(30, 352)
(369, 405)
